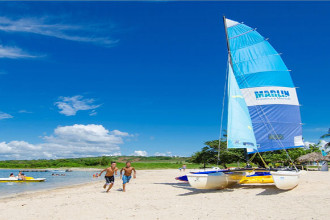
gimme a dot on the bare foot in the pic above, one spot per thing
(104, 186)
(124, 190)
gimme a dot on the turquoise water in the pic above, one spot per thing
(70, 178)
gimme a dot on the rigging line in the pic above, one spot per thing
(255, 106)
(243, 33)
(250, 160)
(252, 44)
(269, 124)
(222, 111)
(262, 159)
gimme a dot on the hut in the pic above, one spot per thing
(311, 157)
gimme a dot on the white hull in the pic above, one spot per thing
(29, 179)
(286, 179)
(217, 180)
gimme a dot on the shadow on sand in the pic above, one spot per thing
(268, 189)
(193, 191)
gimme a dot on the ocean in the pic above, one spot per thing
(70, 178)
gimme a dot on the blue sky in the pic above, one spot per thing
(83, 78)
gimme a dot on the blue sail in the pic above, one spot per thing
(239, 128)
(267, 87)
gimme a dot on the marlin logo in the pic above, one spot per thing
(272, 94)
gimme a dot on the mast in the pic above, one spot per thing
(246, 156)
(227, 40)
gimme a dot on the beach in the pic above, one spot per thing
(155, 194)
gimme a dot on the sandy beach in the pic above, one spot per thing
(155, 194)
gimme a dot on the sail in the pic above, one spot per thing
(239, 128)
(267, 87)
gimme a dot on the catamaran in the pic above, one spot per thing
(263, 108)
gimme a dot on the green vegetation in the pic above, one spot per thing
(158, 162)
(235, 157)
(206, 157)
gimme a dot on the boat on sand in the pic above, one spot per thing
(214, 180)
(263, 109)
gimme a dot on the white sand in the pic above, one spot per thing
(157, 195)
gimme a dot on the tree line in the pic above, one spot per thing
(209, 155)
(97, 162)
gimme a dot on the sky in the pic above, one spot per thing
(141, 78)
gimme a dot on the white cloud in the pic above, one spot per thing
(322, 145)
(120, 133)
(318, 129)
(113, 154)
(14, 53)
(24, 111)
(83, 133)
(93, 113)
(90, 33)
(66, 141)
(4, 115)
(163, 154)
(17, 148)
(141, 153)
(307, 143)
(5, 148)
(70, 105)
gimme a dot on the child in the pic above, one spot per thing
(127, 174)
(109, 177)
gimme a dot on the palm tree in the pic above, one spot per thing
(326, 135)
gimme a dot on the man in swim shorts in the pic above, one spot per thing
(109, 175)
(127, 174)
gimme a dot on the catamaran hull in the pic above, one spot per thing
(259, 177)
(217, 180)
(286, 180)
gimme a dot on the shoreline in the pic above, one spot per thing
(38, 191)
(69, 186)
(62, 168)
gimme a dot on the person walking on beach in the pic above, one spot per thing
(109, 175)
(184, 166)
(127, 174)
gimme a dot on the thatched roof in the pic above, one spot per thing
(311, 157)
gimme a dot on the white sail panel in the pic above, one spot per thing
(270, 96)
(231, 23)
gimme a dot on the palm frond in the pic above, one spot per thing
(325, 135)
